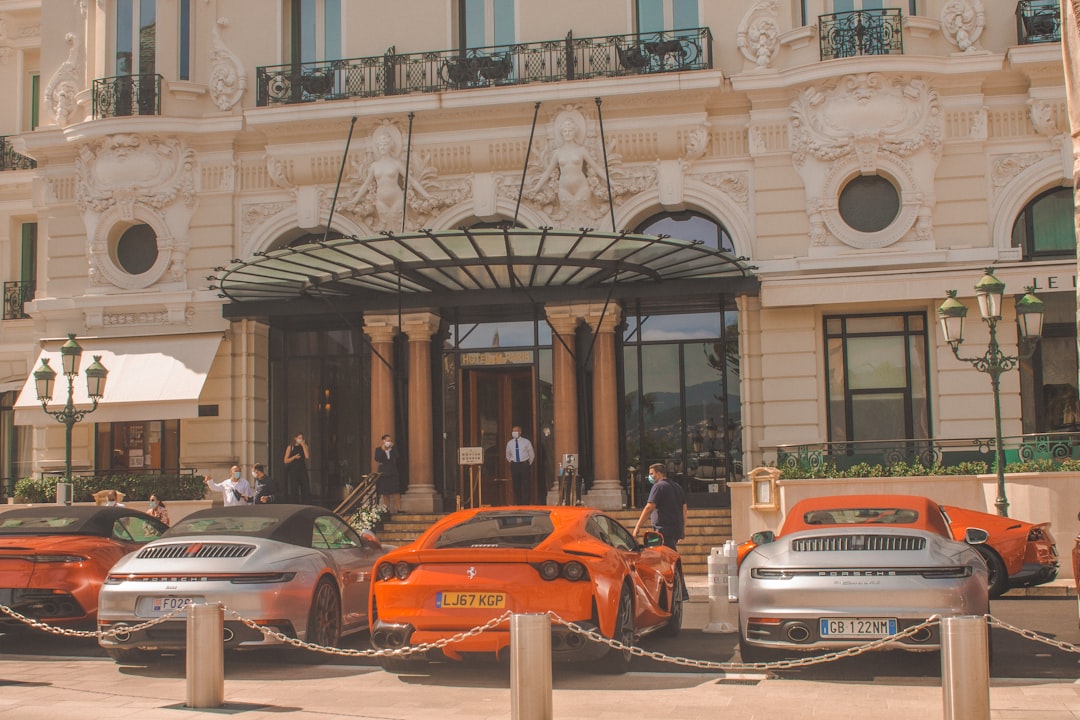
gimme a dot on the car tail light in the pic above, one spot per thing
(1036, 534)
(549, 570)
(573, 570)
(402, 570)
(60, 558)
(384, 571)
(262, 578)
(767, 574)
(947, 572)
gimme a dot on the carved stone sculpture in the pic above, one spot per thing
(962, 22)
(758, 37)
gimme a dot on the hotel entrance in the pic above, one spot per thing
(492, 402)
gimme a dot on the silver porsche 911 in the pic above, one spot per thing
(845, 570)
(296, 568)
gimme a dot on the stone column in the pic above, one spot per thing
(564, 322)
(606, 492)
(381, 329)
(421, 495)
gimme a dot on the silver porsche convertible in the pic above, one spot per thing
(845, 570)
(298, 569)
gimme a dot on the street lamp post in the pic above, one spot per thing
(1029, 316)
(45, 376)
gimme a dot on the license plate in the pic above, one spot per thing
(469, 600)
(857, 627)
(165, 605)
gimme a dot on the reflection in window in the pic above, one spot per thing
(482, 23)
(690, 226)
(1047, 226)
(877, 377)
(681, 401)
(138, 447)
(1048, 389)
(658, 15)
(495, 335)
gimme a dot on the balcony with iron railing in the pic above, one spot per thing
(127, 95)
(1038, 21)
(16, 295)
(861, 32)
(11, 160)
(896, 455)
(569, 58)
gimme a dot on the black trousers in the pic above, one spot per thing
(521, 476)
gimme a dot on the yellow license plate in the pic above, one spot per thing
(469, 600)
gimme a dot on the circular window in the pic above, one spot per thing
(136, 250)
(869, 203)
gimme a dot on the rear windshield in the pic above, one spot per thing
(245, 524)
(53, 523)
(861, 516)
(498, 529)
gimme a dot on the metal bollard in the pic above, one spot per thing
(64, 492)
(530, 667)
(721, 612)
(965, 668)
(205, 656)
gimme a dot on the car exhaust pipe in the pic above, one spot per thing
(921, 635)
(228, 634)
(797, 632)
(574, 641)
(558, 641)
(122, 636)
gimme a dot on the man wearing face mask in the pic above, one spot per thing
(520, 455)
(666, 506)
(389, 481)
(235, 490)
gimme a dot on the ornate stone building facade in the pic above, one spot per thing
(676, 231)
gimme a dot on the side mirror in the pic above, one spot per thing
(976, 536)
(763, 538)
(652, 539)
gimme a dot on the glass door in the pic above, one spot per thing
(493, 401)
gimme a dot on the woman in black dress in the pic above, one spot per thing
(296, 457)
(389, 481)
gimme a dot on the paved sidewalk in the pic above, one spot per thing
(48, 687)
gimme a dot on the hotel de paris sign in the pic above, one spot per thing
(497, 357)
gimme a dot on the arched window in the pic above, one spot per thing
(1046, 227)
(689, 225)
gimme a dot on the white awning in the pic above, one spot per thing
(150, 378)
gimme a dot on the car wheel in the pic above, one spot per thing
(617, 662)
(674, 624)
(998, 578)
(324, 618)
(131, 656)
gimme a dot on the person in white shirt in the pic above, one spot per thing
(235, 490)
(520, 455)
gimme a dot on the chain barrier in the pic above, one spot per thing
(1032, 635)
(593, 635)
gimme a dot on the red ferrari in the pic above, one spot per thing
(53, 558)
(1018, 553)
(475, 565)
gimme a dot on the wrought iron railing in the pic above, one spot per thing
(126, 95)
(947, 453)
(1038, 21)
(549, 61)
(11, 160)
(16, 294)
(861, 32)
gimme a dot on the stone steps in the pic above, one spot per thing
(707, 528)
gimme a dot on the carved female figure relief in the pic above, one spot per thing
(578, 171)
(384, 175)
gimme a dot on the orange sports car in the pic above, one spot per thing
(53, 558)
(475, 565)
(1017, 553)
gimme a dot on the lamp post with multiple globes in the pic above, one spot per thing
(45, 376)
(1029, 317)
